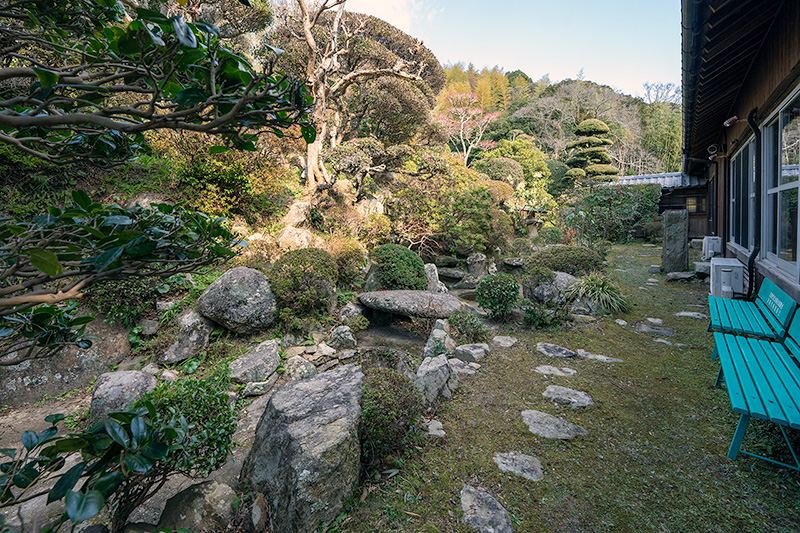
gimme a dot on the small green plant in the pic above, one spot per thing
(357, 323)
(467, 328)
(399, 268)
(390, 408)
(575, 260)
(135, 338)
(304, 281)
(498, 293)
(601, 291)
(544, 316)
(74, 420)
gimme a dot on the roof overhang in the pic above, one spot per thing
(721, 40)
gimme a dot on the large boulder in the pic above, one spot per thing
(476, 265)
(72, 368)
(306, 457)
(342, 338)
(411, 303)
(118, 391)
(675, 253)
(194, 333)
(291, 238)
(240, 300)
(258, 364)
(435, 379)
(554, 291)
(432, 274)
(205, 506)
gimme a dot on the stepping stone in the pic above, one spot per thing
(472, 353)
(655, 269)
(554, 350)
(701, 306)
(655, 321)
(663, 341)
(551, 427)
(435, 429)
(648, 245)
(523, 465)
(483, 513)
(691, 314)
(652, 280)
(460, 367)
(643, 288)
(555, 371)
(583, 354)
(621, 322)
(665, 331)
(503, 341)
(566, 396)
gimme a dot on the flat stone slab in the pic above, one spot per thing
(435, 429)
(551, 427)
(691, 314)
(655, 321)
(663, 341)
(680, 276)
(411, 303)
(520, 464)
(554, 350)
(583, 354)
(621, 322)
(483, 513)
(472, 353)
(566, 396)
(665, 331)
(503, 341)
(462, 368)
(655, 269)
(555, 371)
(652, 280)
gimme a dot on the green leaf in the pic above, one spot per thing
(47, 434)
(58, 417)
(108, 483)
(208, 28)
(70, 444)
(45, 261)
(67, 481)
(8, 452)
(309, 133)
(151, 16)
(190, 96)
(157, 451)
(137, 463)
(139, 429)
(140, 246)
(117, 220)
(46, 77)
(82, 506)
(30, 440)
(25, 477)
(102, 261)
(117, 432)
(218, 149)
(184, 32)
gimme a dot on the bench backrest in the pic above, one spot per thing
(780, 303)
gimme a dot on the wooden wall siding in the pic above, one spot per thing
(774, 74)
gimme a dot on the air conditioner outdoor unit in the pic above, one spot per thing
(712, 247)
(727, 277)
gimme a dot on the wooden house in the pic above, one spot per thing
(741, 131)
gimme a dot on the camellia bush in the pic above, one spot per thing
(46, 263)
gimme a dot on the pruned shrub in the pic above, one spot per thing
(467, 328)
(304, 281)
(575, 260)
(391, 406)
(498, 293)
(350, 260)
(501, 191)
(399, 268)
(123, 301)
(601, 291)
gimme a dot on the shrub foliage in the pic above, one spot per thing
(498, 293)
(304, 280)
(575, 260)
(399, 268)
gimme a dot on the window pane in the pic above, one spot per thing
(772, 155)
(790, 142)
(744, 197)
(772, 213)
(787, 240)
(696, 204)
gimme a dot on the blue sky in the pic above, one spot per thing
(621, 43)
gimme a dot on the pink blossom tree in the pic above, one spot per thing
(465, 122)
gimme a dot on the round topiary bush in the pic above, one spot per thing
(575, 260)
(498, 293)
(304, 281)
(399, 268)
(390, 407)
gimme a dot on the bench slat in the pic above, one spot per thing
(774, 323)
(786, 366)
(771, 390)
(740, 308)
(761, 325)
(735, 392)
(733, 318)
(755, 407)
(714, 311)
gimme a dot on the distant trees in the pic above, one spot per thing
(465, 121)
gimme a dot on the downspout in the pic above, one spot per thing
(751, 262)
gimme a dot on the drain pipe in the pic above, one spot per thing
(751, 262)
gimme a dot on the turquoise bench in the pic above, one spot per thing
(763, 381)
(767, 317)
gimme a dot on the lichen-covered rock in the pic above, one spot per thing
(553, 291)
(476, 265)
(257, 364)
(342, 338)
(350, 311)
(118, 391)
(439, 342)
(292, 238)
(305, 458)
(201, 507)
(472, 353)
(297, 368)
(435, 380)
(241, 301)
(194, 333)
(484, 513)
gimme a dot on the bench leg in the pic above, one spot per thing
(714, 354)
(736, 443)
(720, 378)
